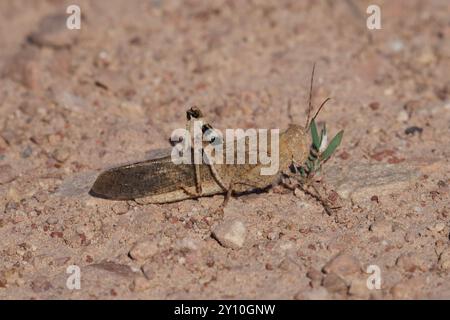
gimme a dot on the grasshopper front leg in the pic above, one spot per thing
(194, 114)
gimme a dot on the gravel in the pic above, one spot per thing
(73, 103)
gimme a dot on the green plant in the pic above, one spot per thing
(319, 153)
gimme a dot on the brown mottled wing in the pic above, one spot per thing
(145, 178)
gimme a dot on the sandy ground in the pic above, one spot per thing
(73, 102)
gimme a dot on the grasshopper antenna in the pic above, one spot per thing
(310, 107)
(318, 110)
(289, 111)
(310, 96)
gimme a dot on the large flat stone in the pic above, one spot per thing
(360, 181)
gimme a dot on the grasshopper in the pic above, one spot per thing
(160, 180)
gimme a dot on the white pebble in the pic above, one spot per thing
(402, 116)
(143, 250)
(231, 234)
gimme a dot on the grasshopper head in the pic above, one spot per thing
(294, 146)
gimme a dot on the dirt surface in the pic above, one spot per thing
(73, 102)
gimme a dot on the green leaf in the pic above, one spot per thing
(323, 133)
(309, 165)
(332, 146)
(315, 135)
(302, 172)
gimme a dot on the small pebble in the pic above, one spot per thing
(20, 282)
(26, 153)
(438, 227)
(103, 59)
(148, 270)
(410, 236)
(444, 260)
(143, 250)
(412, 106)
(188, 244)
(314, 274)
(61, 154)
(402, 116)
(374, 105)
(287, 265)
(396, 45)
(343, 265)
(3, 144)
(273, 235)
(6, 174)
(52, 220)
(51, 32)
(231, 234)
(31, 75)
(120, 208)
(116, 268)
(410, 262)
(442, 184)
(334, 284)
(358, 288)
(427, 58)
(140, 284)
(408, 289)
(319, 293)
(418, 209)
(13, 195)
(40, 284)
(41, 196)
(70, 101)
(82, 230)
(381, 227)
(389, 91)
(132, 110)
